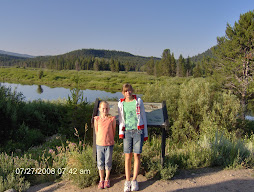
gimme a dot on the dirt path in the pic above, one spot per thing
(205, 180)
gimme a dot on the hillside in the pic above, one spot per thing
(199, 57)
(85, 58)
(15, 54)
(9, 60)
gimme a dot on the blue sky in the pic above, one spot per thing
(141, 27)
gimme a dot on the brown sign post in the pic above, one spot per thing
(156, 115)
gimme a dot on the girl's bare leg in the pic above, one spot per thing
(128, 157)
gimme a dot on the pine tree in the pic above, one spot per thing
(197, 71)
(127, 66)
(235, 56)
(172, 65)
(96, 65)
(150, 66)
(180, 70)
(166, 62)
(117, 66)
(188, 67)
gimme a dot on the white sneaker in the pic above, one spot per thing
(127, 186)
(134, 185)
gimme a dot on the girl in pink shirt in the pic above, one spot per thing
(105, 128)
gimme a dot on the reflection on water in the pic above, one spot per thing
(39, 89)
(35, 92)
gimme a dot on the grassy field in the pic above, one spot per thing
(101, 80)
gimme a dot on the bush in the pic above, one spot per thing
(195, 107)
(151, 162)
(118, 159)
(13, 181)
(81, 168)
(228, 153)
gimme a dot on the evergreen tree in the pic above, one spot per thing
(127, 66)
(77, 65)
(96, 65)
(117, 66)
(172, 65)
(157, 69)
(235, 56)
(180, 70)
(112, 65)
(188, 67)
(150, 66)
(197, 71)
(166, 62)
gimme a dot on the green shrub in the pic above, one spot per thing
(13, 181)
(81, 168)
(228, 153)
(195, 107)
(151, 162)
(118, 159)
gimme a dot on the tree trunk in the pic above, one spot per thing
(244, 107)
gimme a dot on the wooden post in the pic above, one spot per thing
(95, 110)
(163, 132)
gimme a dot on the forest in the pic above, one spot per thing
(115, 61)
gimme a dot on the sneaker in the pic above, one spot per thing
(134, 185)
(127, 186)
(101, 185)
(107, 184)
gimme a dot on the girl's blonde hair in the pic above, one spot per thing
(104, 102)
(126, 87)
(101, 102)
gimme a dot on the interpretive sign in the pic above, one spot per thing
(154, 112)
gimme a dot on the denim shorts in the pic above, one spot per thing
(104, 157)
(133, 141)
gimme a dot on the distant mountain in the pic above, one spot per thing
(199, 57)
(15, 54)
(86, 59)
(83, 56)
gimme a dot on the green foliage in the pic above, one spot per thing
(81, 167)
(26, 124)
(85, 59)
(105, 80)
(9, 60)
(234, 57)
(195, 107)
(118, 159)
(151, 163)
(40, 74)
(228, 153)
(10, 104)
(13, 181)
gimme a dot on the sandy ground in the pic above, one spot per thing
(205, 180)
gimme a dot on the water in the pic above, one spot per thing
(35, 92)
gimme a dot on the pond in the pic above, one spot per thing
(35, 92)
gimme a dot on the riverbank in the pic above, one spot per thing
(100, 80)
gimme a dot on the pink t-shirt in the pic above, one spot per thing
(105, 129)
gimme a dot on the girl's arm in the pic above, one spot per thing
(114, 126)
(96, 124)
(120, 119)
(143, 116)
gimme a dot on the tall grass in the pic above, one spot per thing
(105, 80)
